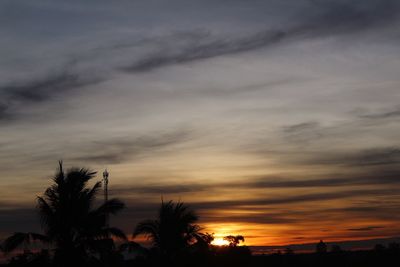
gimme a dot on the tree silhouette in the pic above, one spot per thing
(321, 247)
(379, 247)
(72, 226)
(172, 232)
(336, 249)
(234, 240)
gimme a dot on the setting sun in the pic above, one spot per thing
(219, 241)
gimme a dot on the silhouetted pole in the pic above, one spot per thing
(105, 183)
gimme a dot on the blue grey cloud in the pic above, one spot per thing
(18, 95)
(331, 18)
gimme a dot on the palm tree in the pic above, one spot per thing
(71, 224)
(172, 232)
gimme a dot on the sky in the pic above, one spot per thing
(276, 120)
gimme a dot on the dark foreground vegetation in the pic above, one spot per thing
(225, 256)
(367, 258)
(76, 232)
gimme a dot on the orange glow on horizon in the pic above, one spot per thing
(219, 241)
(286, 234)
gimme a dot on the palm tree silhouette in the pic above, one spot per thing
(172, 232)
(72, 226)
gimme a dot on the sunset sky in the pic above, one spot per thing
(277, 120)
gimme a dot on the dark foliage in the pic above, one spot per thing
(172, 234)
(76, 231)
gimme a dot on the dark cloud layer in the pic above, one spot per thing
(367, 178)
(281, 210)
(332, 18)
(18, 95)
(208, 49)
(297, 198)
(369, 157)
(160, 189)
(324, 18)
(369, 228)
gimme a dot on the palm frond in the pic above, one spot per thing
(19, 239)
(91, 194)
(148, 228)
(113, 232)
(112, 206)
(45, 211)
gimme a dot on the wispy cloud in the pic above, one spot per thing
(205, 49)
(393, 113)
(18, 95)
(304, 198)
(125, 148)
(369, 157)
(332, 18)
(368, 228)
(301, 127)
(325, 18)
(161, 189)
(267, 182)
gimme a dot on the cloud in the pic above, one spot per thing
(345, 17)
(43, 89)
(159, 189)
(118, 150)
(16, 96)
(207, 49)
(380, 158)
(259, 211)
(332, 18)
(377, 156)
(202, 100)
(5, 115)
(368, 157)
(268, 182)
(301, 127)
(294, 199)
(394, 113)
(274, 210)
(323, 18)
(361, 179)
(303, 133)
(261, 218)
(368, 228)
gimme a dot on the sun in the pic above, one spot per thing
(219, 241)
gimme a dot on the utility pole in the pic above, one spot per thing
(105, 184)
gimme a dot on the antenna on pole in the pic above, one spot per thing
(105, 183)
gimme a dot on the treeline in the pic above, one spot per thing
(76, 232)
(388, 257)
